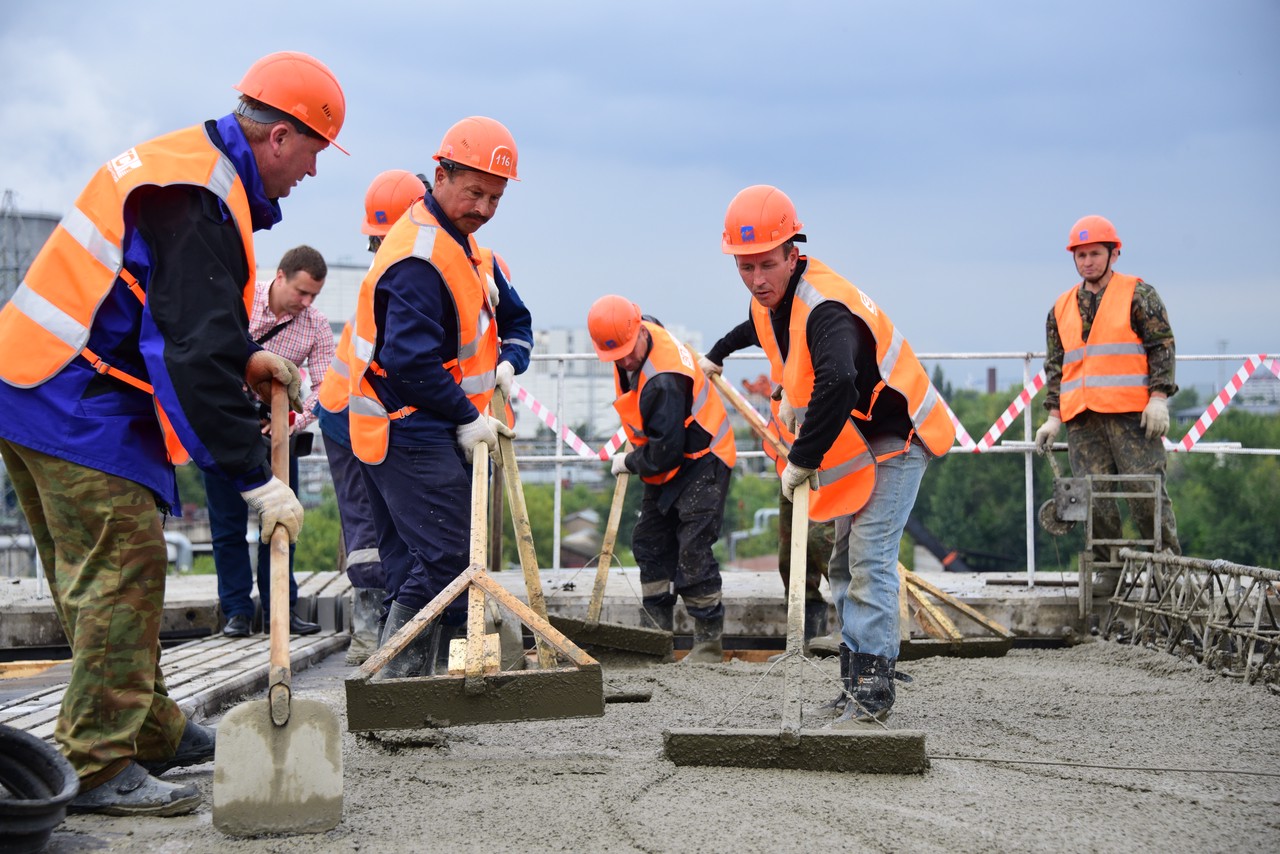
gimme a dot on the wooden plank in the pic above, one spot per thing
(975, 615)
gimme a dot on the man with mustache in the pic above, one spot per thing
(437, 326)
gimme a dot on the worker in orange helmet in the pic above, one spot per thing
(684, 453)
(126, 349)
(1109, 371)
(437, 327)
(866, 420)
(389, 195)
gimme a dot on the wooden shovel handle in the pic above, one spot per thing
(606, 547)
(279, 678)
(754, 419)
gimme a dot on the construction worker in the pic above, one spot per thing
(1109, 371)
(388, 197)
(282, 321)
(437, 326)
(820, 536)
(126, 349)
(866, 421)
(684, 453)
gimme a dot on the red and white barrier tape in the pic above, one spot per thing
(547, 417)
(1220, 401)
(611, 447)
(1015, 409)
(965, 441)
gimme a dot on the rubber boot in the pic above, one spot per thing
(836, 706)
(438, 657)
(707, 646)
(872, 677)
(815, 621)
(658, 617)
(366, 611)
(412, 660)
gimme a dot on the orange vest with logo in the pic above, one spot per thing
(1109, 373)
(47, 322)
(847, 474)
(418, 235)
(667, 355)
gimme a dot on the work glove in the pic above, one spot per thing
(493, 294)
(1048, 434)
(620, 465)
(1155, 417)
(709, 367)
(263, 367)
(484, 429)
(505, 373)
(787, 415)
(794, 475)
(276, 505)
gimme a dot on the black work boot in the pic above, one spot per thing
(195, 748)
(837, 705)
(707, 646)
(873, 688)
(661, 617)
(815, 620)
(438, 657)
(412, 660)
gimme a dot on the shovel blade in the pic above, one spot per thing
(277, 779)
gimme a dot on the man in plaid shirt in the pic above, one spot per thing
(285, 322)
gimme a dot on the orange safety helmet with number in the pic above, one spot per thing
(482, 144)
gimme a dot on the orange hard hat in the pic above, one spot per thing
(301, 86)
(1092, 229)
(614, 324)
(759, 218)
(482, 144)
(388, 197)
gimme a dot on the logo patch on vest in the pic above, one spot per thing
(871, 306)
(124, 164)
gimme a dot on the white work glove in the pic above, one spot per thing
(620, 465)
(793, 476)
(263, 367)
(483, 429)
(276, 505)
(1048, 434)
(493, 294)
(505, 373)
(1155, 417)
(709, 367)
(787, 415)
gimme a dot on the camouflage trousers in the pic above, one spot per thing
(1115, 443)
(818, 552)
(102, 547)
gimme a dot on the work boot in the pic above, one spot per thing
(1105, 583)
(438, 656)
(195, 748)
(815, 620)
(836, 706)
(826, 645)
(366, 609)
(134, 792)
(412, 660)
(872, 678)
(707, 646)
(658, 617)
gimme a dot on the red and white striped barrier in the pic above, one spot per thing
(1015, 409)
(611, 447)
(1220, 401)
(547, 417)
(964, 440)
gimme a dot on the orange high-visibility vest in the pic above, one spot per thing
(847, 474)
(47, 322)
(1109, 373)
(418, 235)
(667, 355)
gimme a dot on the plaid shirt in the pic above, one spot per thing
(308, 339)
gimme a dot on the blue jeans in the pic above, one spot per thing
(228, 524)
(864, 561)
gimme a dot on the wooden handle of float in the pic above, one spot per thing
(606, 547)
(758, 425)
(279, 679)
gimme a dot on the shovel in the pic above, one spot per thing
(278, 764)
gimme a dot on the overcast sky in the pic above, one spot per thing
(937, 152)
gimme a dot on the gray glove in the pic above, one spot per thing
(1048, 434)
(1155, 417)
(787, 415)
(709, 367)
(276, 505)
(793, 476)
(493, 294)
(505, 373)
(483, 429)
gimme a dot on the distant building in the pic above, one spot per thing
(22, 233)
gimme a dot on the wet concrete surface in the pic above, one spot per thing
(1097, 747)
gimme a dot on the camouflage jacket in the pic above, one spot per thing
(1149, 321)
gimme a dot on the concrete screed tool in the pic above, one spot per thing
(482, 692)
(591, 632)
(277, 766)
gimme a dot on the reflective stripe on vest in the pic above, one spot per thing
(846, 475)
(334, 388)
(48, 321)
(1109, 373)
(418, 235)
(667, 355)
